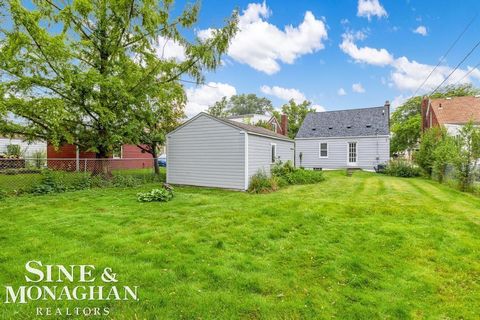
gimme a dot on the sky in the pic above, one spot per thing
(337, 54)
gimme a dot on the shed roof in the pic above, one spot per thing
(346, 123)
(240, 125)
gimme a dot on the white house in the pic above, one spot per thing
(213, 152)
(27, 148)
(356, 138)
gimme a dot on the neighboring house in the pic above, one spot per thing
(254, 119)
(356, 138)
(213, 152)
(27, 148)
(133, 158)
(451, 113)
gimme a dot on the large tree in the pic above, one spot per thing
(406, 119)
(241, 104)
(87, 71)
(296, 113)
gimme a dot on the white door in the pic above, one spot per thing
(352, 154)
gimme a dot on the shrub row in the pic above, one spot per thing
(57, 182)
(402, 168)
(283, 174)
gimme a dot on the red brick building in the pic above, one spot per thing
(129, 157)
(451, 113)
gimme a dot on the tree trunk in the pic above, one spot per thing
(102, 164)
(155, 159)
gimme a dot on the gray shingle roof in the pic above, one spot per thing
(346, 123)
(254, 129)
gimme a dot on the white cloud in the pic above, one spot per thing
(263, 46)
(405, 74)
(409, 75)
(379, 57)
(398, 101)
(201, 97)
(169, 49)
(422, 30)
(318, 107)
(341, 92)
(284, 93)
(370, 8)
(358, 88)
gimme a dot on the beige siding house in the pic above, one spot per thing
(213, 152)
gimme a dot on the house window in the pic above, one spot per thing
(352, 152)
(274, 152)
(274, 127)
(323, 150)
(117, 152)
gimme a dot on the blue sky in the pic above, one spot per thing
(338, 54)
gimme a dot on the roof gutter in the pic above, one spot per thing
(345, 137)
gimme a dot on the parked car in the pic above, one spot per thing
(162, 160)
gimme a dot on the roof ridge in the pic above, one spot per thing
(248, 127)
(354, 109)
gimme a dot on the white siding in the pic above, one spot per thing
(26, 148)
(259, 153)
(368, 149)
(206, 152)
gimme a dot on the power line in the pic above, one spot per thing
(467, 74)
(447, 52)
(457, 66)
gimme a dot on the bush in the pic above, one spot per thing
(280, 169)
(302, 176)
(260, 182)
(49, 184)
(288, 174)
(161, 195)
(402, 168)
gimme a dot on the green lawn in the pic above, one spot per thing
(360, 247)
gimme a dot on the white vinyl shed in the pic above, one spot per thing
(212, 152)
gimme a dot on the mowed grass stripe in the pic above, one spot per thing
(360, 247)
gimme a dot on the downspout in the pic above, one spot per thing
(246, 178)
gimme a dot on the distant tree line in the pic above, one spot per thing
(252, 104)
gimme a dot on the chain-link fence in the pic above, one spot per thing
(25, 175)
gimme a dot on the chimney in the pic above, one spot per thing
(284, 124)
(424, 109)
(387, 107)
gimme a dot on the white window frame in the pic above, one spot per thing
(121, 154)
(348, 153)
(274, 126)
(320, 150)
(273, 156)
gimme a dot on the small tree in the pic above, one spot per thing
(468, 149)
(444, 155)
(425, 157)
